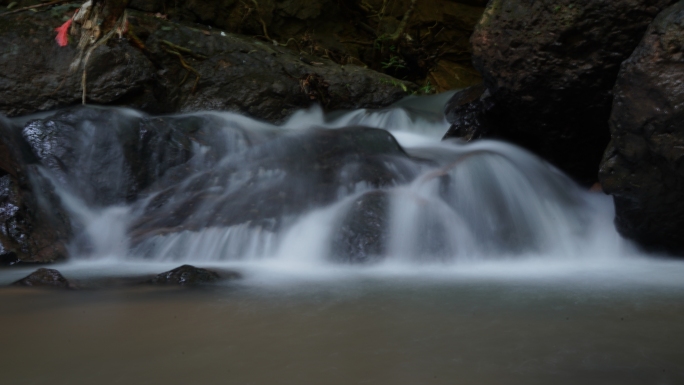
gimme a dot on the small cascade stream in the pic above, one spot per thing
(358, 187)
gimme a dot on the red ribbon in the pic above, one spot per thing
(62, 32)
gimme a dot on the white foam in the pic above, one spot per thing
(486, 204)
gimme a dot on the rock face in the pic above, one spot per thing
(235, 73)
(34, 73)
(48, 278)
(346, 31)
(469, 112)
(33, 227)
(643, 167)
(364, 232)
(549, 68)
(107, 156)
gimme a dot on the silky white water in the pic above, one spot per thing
(445, 204)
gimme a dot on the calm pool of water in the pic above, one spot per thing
(503, 324)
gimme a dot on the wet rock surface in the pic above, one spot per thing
(364, 232)
(33, 225)
(198, 171)
(273, 180)
(469, 112)
(185, 275)
(45, 278)
(643, 167)
(107, 156)
(235, 73)
(549, 68)
(9, 259)
(188, 275)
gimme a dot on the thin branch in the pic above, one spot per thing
(261, 20)
(404, 22)
(288, 43)
(184, 50)
(357, 42)
(36, 6)
(187, 67)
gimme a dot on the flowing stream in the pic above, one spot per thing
(362, 187)
(372, 252)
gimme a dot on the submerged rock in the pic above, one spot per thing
(49, 278)
(643, 167)
(364, 232)
(187, 275)
(549, 69)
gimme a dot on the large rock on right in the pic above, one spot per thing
(549, 68)
(643, 167)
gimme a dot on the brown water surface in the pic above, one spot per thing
(364, 331)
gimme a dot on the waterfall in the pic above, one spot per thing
(356, 187)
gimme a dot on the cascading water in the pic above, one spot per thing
(354, 187)
(370, 252)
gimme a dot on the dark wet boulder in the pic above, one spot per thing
(469, 114)
(364, 232)
(187, 275)
(45, 278)
(643, 167)
(81, 150)
(107, 156)
(33, 225)
(233, 72)
(549, 68)
(298, 171)
(35, 76)
(9, 258)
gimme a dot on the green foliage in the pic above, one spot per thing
(379, 42)
(394, 83)
(427, 89)
(394, 62)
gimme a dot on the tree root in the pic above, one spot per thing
(184, 50)
(404, 22)
(136, 42)
(185, 65)
(119, 26)
(261, 19)
(299, 48)
(36, 6)
(87, 58)
(357, 42)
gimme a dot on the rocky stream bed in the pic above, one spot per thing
(560, 80)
